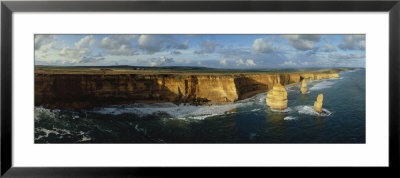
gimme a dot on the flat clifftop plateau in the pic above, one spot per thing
(77, 89)
(116, 70)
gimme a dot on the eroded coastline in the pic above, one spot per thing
(68, 89)
(186, 123)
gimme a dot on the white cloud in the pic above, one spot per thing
(289, 63)
(303, 45)
(72, 52)
(314, 38)
(161, 61)
(43, 45)
(329, 47)
(119, 45)
(156, 43)
(306, 63)
(248, 63)
(262, 45)
(44, 42)
(207, 47)
(150, 43)
(353, 42)
(81, 48)
(91, 59)
(302, 42)
(85, 42)
(239, 62)
(183, 45)
(223, 62)
(346, 56)
(175, 52)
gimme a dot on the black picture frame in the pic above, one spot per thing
(8, 7)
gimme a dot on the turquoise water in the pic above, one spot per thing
(247, 121)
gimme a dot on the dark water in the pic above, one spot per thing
(247, 121)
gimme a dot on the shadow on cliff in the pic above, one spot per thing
(247, 87)
(88, 91)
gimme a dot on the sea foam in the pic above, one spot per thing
(288, 118)
(182, 111)
(282, 111)
(309, 110)
(322, 85)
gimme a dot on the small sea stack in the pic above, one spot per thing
(277, 97)
(318, 103)
(311, 80)
(303, 88)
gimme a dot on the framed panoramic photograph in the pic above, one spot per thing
(199, 88)
(112, 89)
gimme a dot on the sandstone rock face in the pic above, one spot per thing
(277, 97)
(327, 75)
(55, 89)
(303, 88)
(318, 103)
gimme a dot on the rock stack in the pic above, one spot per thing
(303, 88)
(311, 80)
(277, 97)
(318, 103)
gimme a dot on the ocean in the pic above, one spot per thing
(245, 121)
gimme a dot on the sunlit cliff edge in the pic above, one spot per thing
(74, 89)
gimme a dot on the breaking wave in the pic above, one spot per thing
(292, 89)
(322, 85)
(59, 133)
(288, 118)
(183, 111)
(282, 111)
(40, 112)
(175, 111)
(170, 110)
(309, 110)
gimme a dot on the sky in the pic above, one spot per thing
(233, 51)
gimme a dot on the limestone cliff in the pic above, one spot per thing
(277, 97)
(58, 89)
(318, 103)
(303, 88)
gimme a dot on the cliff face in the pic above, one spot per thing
(89, 90)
